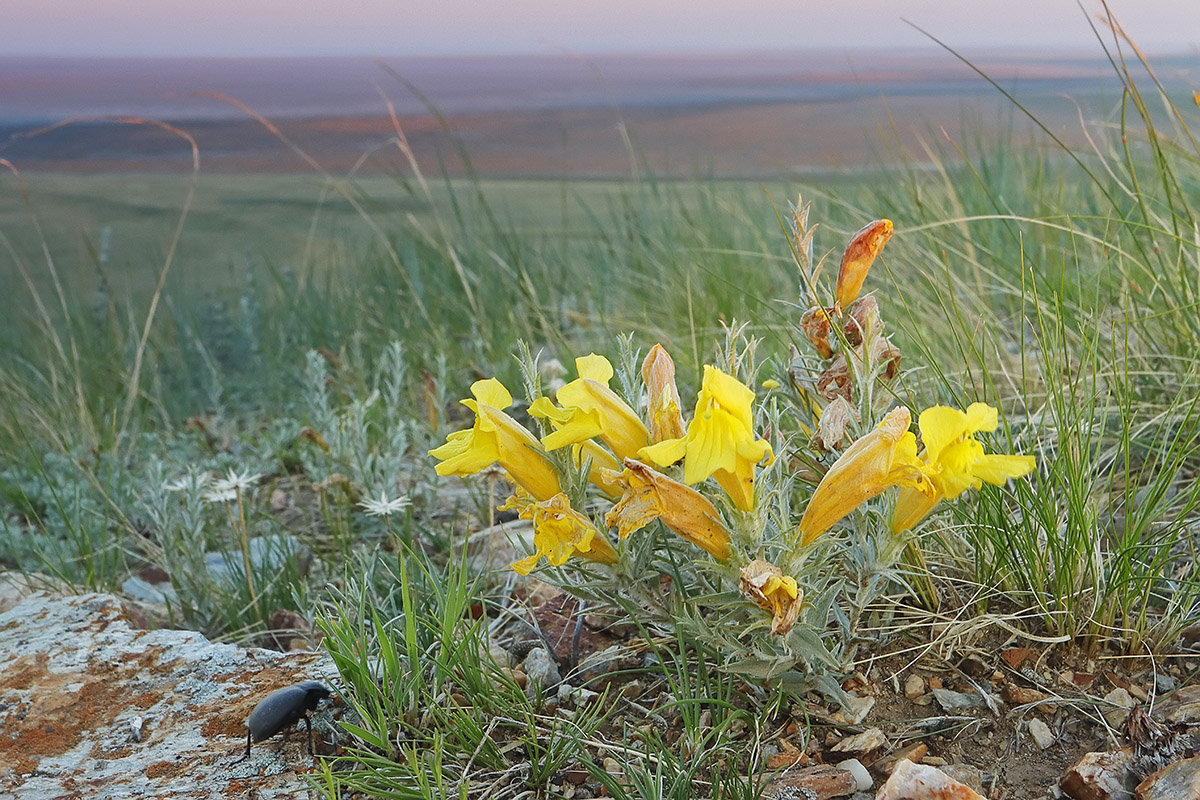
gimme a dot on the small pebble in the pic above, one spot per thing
(577, 696)
(856, 711)
(870, 741)
(855, 768)
(1138, 693)
(1041, 733)
(541, 671)
(1123, 701)
(952, 701)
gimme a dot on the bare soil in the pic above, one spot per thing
(1007, 680)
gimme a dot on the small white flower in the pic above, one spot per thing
(384, 506)
(237, 481)
(230, 487)
(189, 483)
(218, 495)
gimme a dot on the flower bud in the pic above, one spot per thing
(857, 260)
(767, 586)
(666, 419)
(815, 324)
(862, 315)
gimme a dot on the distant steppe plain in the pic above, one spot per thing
(101, 195)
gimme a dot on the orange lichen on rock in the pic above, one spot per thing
(22, 672)
(166, 769)
(68, 705)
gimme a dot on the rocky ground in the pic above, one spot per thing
(93, 704)
(1010, 718)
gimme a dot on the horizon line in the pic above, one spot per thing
(989, 50)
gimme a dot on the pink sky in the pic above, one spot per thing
(428, 27)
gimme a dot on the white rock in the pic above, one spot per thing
(911, 781)
(1041, 734)
(856, 710)
(872, 740)
(541, 670)
(855, 768)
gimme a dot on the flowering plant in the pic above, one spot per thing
(713, 502)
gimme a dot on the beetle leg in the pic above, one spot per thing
(287, 735)
(244, 755)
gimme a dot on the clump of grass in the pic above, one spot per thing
(432, 707)
(1074, 297)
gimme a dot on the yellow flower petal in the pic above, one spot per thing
(941, 426)
(602, 466)
(771, 590)
(571, 425)
(729, 394)
(590, 409)
(997, 469)
(526, 565)
(559, 533)
(665, 453)
(884, 457)
(982, 417)
(496, 438)
(953, 473)
(594, 368)
(720, 441)
(955, 461)
(912, 506)
(491, 392)
(650, 495)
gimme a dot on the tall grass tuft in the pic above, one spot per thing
(1067, 283)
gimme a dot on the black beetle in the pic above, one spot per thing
(281, 710)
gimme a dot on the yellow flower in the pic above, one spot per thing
(955, 461)
(720, 441)
(590, 409)
(650, 495)
(658, 373)
(560, 532)
(857, 260)
(766, 585)
(496, 438)
(603, 466)
(887, 456)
